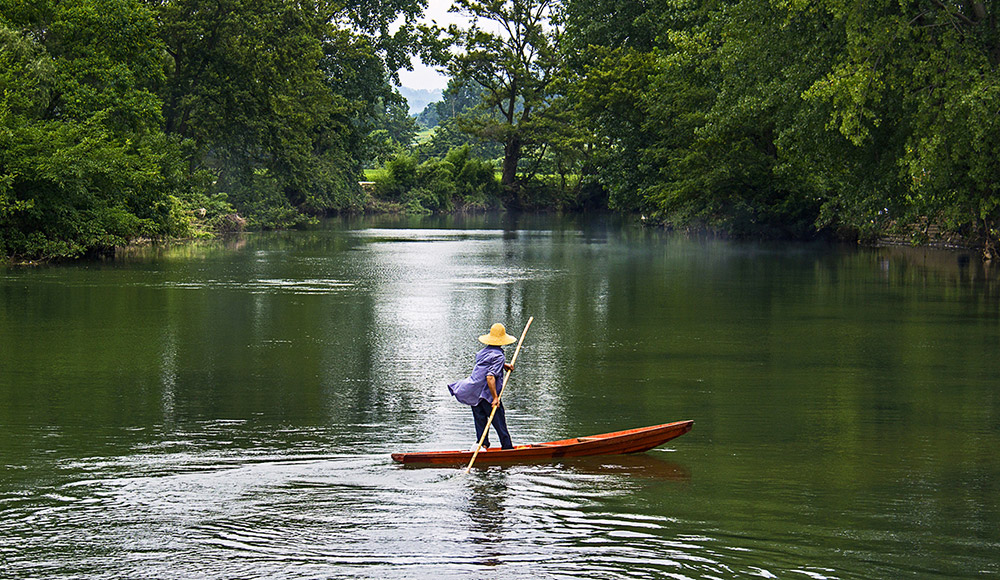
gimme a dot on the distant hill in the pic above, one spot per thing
(417, 99)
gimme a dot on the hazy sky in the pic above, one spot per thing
(424, 77)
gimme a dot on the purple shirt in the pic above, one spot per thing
(470, 390)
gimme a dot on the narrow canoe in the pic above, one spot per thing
(629, 441)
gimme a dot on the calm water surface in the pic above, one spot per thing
(227, 410)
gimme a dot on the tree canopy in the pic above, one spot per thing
(793, 118)
(125, 119)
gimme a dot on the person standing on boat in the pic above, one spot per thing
(481, 390)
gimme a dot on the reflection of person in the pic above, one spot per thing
(481, 390)
(487, 499)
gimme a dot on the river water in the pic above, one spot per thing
(227, 409)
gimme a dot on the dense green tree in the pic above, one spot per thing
(608, 95)
(84, 164)
(282, 97)
(613, 52)
(632, 24)
(394, 130)
(244, 83)
(457, 98)
(119, 117)
(926, 71)
(698, 112)
(759, 117)
(730, 138)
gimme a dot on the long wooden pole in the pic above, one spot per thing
(503, 387)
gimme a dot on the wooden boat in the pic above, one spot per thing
(629, 441)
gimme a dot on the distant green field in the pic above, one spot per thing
(425, 135)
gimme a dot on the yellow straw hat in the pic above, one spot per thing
(497, 337)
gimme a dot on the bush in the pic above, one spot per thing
(401, 176)
(475, 180)
(419, 200)
(437, 184)
(437, 179)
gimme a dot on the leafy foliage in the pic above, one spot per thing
(788, 118)
(461, 102)
(130, 119)
(279, 101)
(924, 72)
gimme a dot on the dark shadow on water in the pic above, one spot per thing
(644, 465)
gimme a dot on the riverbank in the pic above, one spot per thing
(210, 230)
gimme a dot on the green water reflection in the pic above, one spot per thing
(166, 412)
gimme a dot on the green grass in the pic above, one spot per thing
(425, 135)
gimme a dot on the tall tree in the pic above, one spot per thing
(614, 51)
(509, 50)
(733, 167)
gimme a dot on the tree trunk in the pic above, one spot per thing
(511, 155)
(979, 9)
(989, 241)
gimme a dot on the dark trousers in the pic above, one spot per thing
(481, 414)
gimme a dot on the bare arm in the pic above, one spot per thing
(491, 382)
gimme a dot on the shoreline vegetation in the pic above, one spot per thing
(234, 237)
(129, 121)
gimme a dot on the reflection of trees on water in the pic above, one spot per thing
(184, 250)
(962, 273)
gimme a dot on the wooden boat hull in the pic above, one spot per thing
(618, 442)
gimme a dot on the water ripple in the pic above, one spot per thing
(267, 286)
(285, 516)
